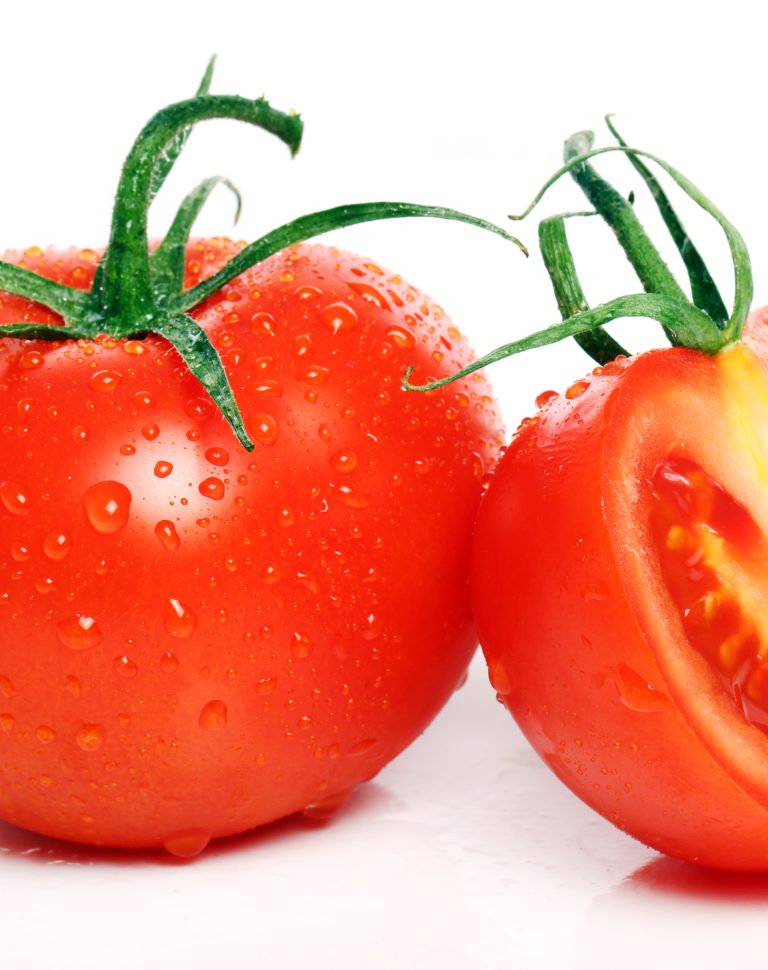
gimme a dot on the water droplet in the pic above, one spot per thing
(13, 498)
(6, 686)
(303, 346)
(263, 428)
(363, 746)
(187, 843)
(372, 627)
(167, 534)
(217, 456)
(79, 433)
(268, 388)
(143, 399)
(307, 292)
(30, 359)
(314, 374)
(371, 294)
(163, 469)
(401, 338)
(7, 722)
(20, 552)
(576, 389)
(338, 317)
(286, 516)
(179, 621)
(125, 666)
(212, 488)
(150, 431)
(79, 632)
(301, 645)
(72, 685)
(545, 397)
(266, 685)
(327, 807)
(107, 506)
(105, 380)
(57, 545)
(91, 737)
(45, 734)
(352, 499)
(169, 663)
(344, 461)
(324, 432)
(213, 715)
(499, 678)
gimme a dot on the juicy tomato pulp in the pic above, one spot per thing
(620, 583)
(706, 541)
(194, 639)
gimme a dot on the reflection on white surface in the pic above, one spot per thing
(465, 854)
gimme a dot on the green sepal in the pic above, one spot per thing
(305, 227)
(201, 357)
(703, 288)
(167, 262)
(683, 319)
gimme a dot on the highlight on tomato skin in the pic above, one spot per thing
(196, 639)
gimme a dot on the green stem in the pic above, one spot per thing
(126, 295)
(703, 288)
(305, 227)
(558, 259)
(739, 255)
(682, 318)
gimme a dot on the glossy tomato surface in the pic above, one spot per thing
(195, 639)
(620, 582)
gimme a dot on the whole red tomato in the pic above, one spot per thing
(620, 570)
(196, 638)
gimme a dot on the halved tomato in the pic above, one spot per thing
(621, 593)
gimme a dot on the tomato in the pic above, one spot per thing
(628, 522)
(195, 639)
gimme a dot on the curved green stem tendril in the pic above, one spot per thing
(681, 318)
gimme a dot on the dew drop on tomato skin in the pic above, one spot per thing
(107, 506)
(45, 734)
(212, 488)
(163, 469)
(57, 546)
(338, 318)
(166, 532)
(328, 807)
(79, 632)
(91, 737)
(14, 498)
(125, 666)
(105, 380)
(213, 716)
(6, 686)
(179, 620)
(187, 843)
(169, 663)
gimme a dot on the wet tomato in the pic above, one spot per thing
(196, 639)
(629, 522)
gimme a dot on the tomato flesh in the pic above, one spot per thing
(698, 529)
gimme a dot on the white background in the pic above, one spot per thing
(464, 853)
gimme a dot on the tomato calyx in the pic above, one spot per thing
(137, 292)
(700, 322)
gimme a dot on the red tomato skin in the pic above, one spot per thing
(196, 640)
(567, 651)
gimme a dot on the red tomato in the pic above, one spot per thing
(620, 584)
(195, 640)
